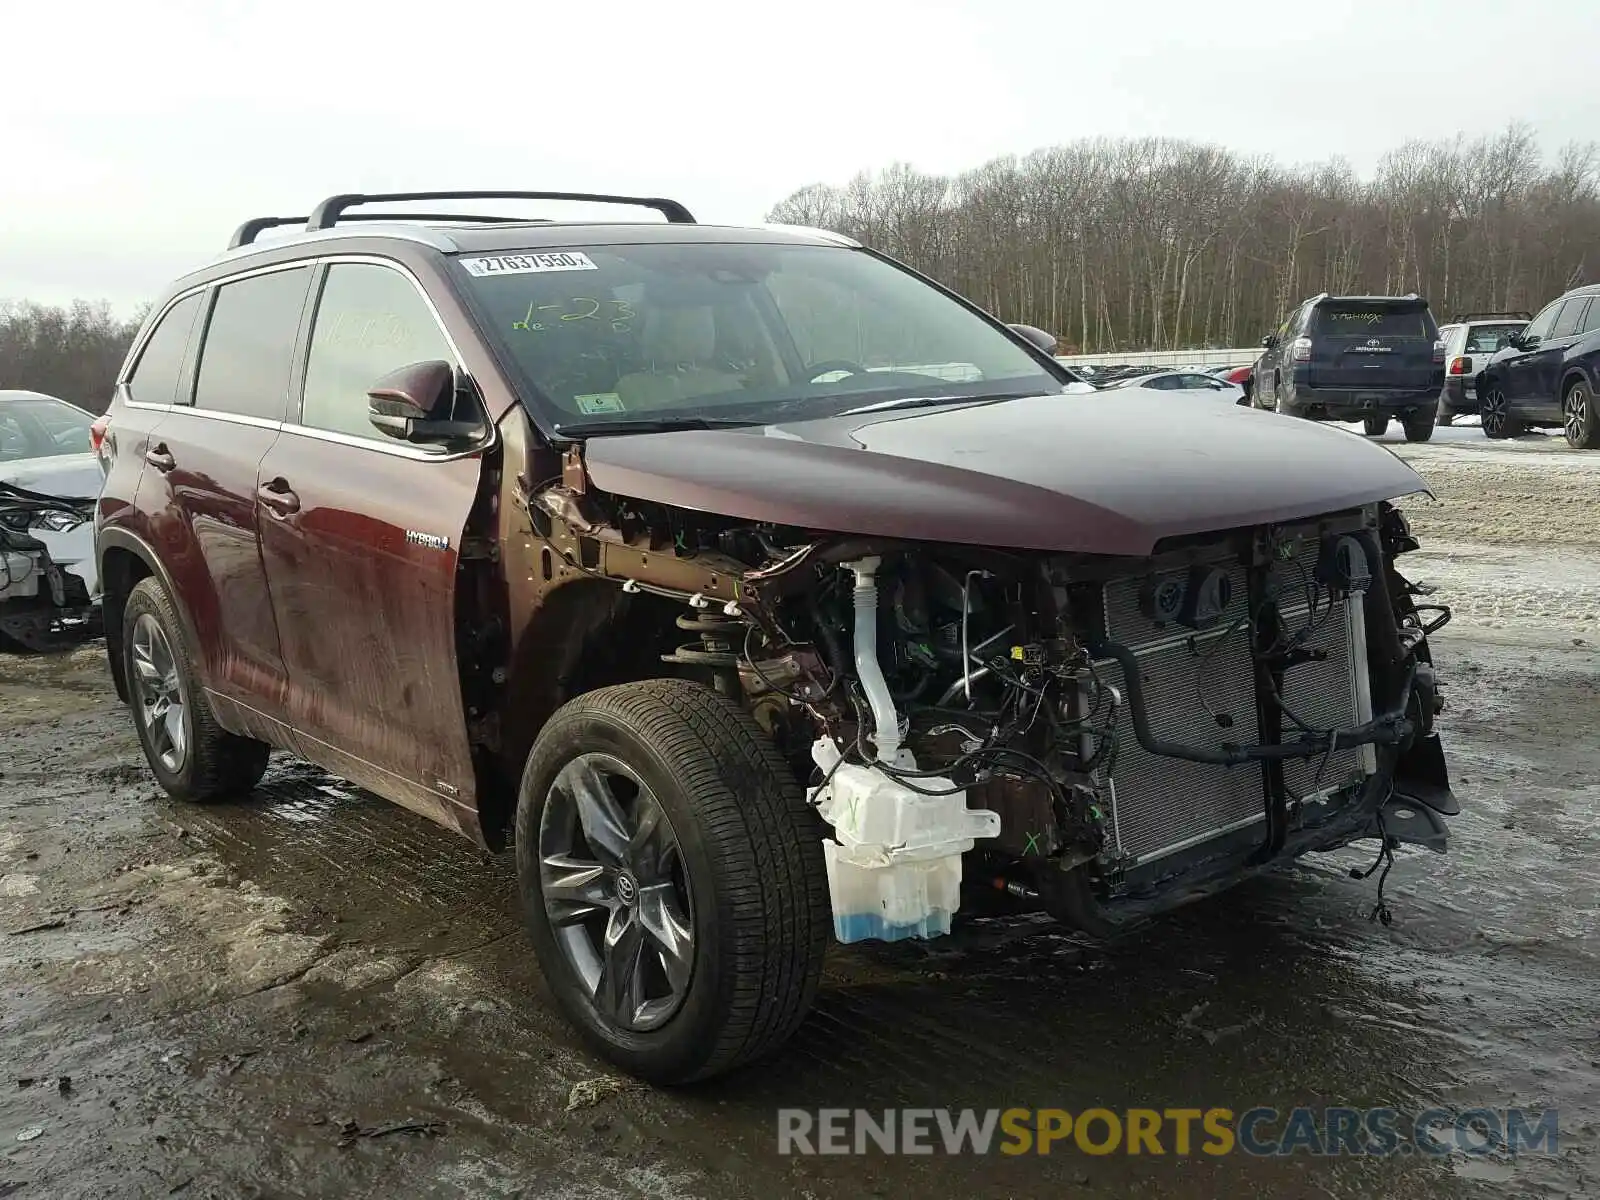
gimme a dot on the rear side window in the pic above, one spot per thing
(1568, 323)
(155, 376)
(1371, 320)
(371, 321)
(248, 353)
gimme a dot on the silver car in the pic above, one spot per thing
(49, 480)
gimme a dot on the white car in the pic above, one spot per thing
(1192, 383)
(50, 478)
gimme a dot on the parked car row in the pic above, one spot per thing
(1186, 382)
(1375, 359)
(754, 588)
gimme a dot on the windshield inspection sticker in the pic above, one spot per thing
(598, 402)
(529, 264)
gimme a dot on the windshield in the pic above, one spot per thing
(38, 427)
(1372, 320)
(735, 332)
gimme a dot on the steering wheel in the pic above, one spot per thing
(833, 364)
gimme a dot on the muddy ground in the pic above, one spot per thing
(314, 993)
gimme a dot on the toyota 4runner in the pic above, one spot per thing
(755, 588)
(1371, 359)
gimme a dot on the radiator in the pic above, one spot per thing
(1199, 690)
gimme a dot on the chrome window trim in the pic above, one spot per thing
(212, 414)
(398, 450)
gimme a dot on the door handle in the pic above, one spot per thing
(279, 498)
(159, 458)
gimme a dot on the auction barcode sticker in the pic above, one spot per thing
(527, 264)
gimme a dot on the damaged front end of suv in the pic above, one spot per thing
(48, 586)
(1104, 735)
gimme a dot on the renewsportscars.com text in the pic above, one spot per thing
(1259, 1132)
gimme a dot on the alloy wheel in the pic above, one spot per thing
(616, 891)
(162, 705)
(1575, 414)
(1493, 413)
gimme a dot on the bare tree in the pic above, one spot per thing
(72, 352)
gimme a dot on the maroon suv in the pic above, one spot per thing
(758, 589)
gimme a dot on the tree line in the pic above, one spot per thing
(72, 352)
(1126, 244)
(1157, 243)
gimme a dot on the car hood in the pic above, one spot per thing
(68, 476)
(1100, 474)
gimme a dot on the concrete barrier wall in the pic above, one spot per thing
(1166, 358)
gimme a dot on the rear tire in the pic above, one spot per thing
(1494, 414)
(746, 896)
(194, 759)
(1374, 426)
(1418, 427)
(1581, 423)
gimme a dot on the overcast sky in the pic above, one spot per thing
(137, 135)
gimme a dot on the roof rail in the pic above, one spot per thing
(256, 226)
(1490, 316)
(251, 229)
(328, 213)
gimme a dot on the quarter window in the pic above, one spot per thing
(248, 355)
(370, 321)
(1541, 325)
(155, 376)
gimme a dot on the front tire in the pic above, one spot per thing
(193, 758)
(672, 880)
(1494, 414)
(1580, 421)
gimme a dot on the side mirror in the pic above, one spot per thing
(1044, 341)
(416, 403)
(1270, 340)
(1522, 341)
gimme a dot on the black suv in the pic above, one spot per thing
(1355, 358)
(1548, 375)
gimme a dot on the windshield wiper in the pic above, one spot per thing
(651, 425)
(930, 401)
